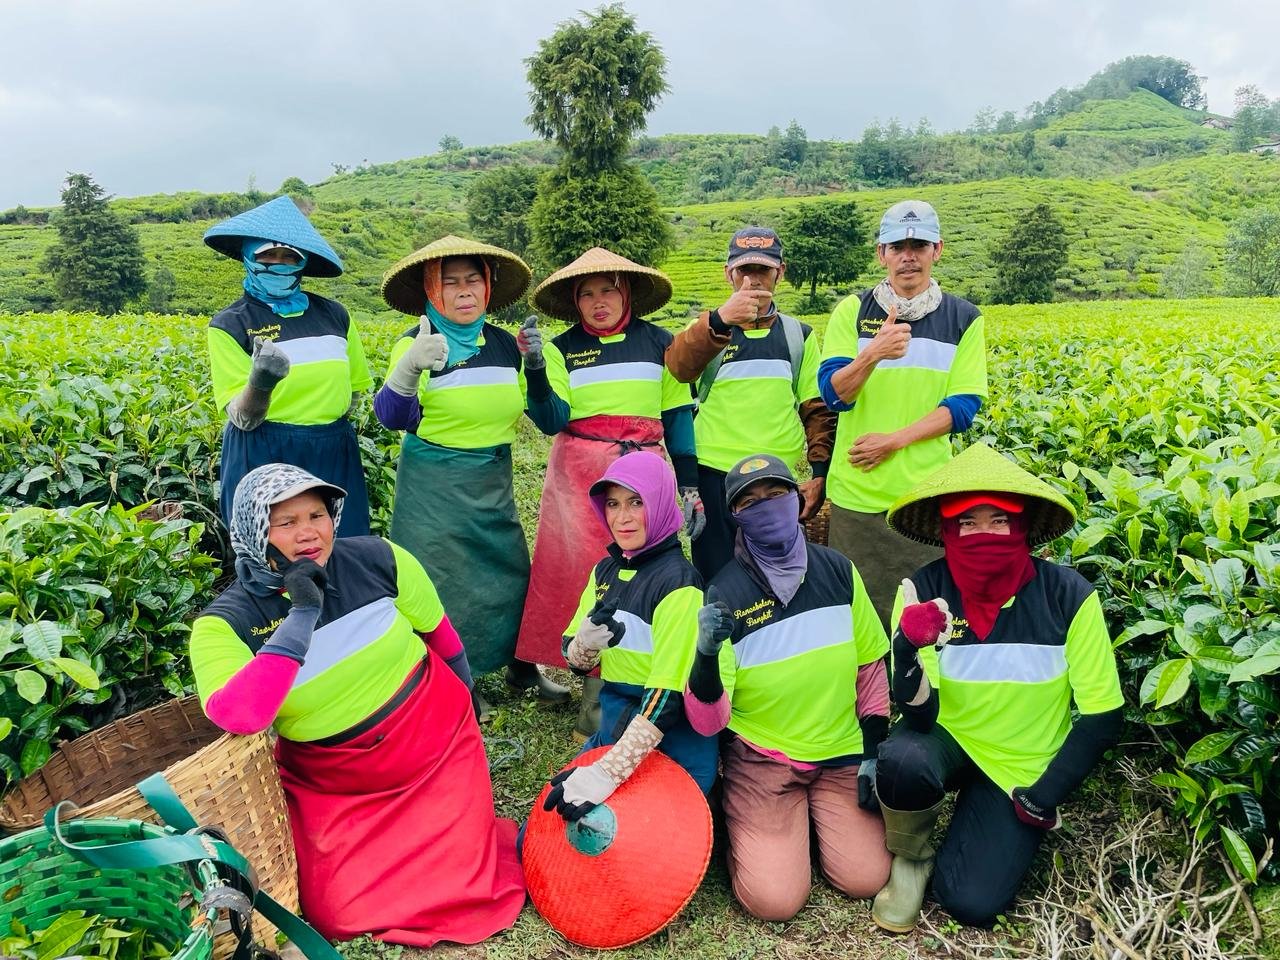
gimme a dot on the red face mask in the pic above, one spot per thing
(988, 568)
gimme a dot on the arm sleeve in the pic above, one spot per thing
(548, 409)
(919, 717)
(969, 368)
(677, 432)
(416, 596)
(239, 692)
(397, 412)
(693, 347)
(229, 366)
(361, 378)
(675, 639)
(662, 708)
(829, 368)
(839, 347)
(964, 407)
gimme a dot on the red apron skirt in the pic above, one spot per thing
(395, 828)
(571, 539)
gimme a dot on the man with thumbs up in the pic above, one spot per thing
(904, 366)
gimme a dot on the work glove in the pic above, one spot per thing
(867, 798)
(304, 580)
(924, 624)
(429, 351)
(529, 341)
(575, 792)
(715, 624)
(1034, 814)
(268, 365)
(695, 515)
(597, 631)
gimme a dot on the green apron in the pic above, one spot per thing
(455, 511)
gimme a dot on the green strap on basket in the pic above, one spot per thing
(187, 847)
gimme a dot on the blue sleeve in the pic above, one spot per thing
(964, 407)
(826, 370)
(677, 433)
(547, 409)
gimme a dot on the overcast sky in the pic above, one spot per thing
(188, 94)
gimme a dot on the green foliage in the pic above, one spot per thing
(75, 933)
(615, 208)
(592, 84)
(824, 243)
(1172, 80)
(498, 205)
(92, 604)
(160, 290)
(1188, 276)
(448, 143)
(96, 262)
(1250, 117)
(1030, 257)
(1253, 253)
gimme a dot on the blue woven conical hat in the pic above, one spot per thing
(979, 469)
(279, 220)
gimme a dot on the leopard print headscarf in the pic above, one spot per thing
(251, 519)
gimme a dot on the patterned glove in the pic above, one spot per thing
(867, 798)
(1032, 813)
(715, 624)
(269, 365)
(574, 792)
(695, 515)
(598, 630)
(529, 341)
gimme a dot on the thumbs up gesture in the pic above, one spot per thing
(923, 624)
(529, 341)
(892, 339)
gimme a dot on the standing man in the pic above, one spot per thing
(757, 381)
(904, 366)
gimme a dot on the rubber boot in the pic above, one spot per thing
(896, 908)
(522, 675)
(589, 712)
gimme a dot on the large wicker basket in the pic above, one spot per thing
(817, 529)
(224, 780)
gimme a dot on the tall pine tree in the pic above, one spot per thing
(1028, 260)
(97, 261)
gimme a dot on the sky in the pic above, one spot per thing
(156, 97)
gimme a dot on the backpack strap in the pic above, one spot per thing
(794, 333)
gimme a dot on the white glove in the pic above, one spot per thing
(429, 351)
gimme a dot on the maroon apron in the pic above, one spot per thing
(571, 539)
(395, 828)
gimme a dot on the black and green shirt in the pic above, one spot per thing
(326, 357)
(624, 375)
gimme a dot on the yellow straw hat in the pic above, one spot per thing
(509, 275)
(650, 288)
(978, 468)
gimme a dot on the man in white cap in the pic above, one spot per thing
(904, 366)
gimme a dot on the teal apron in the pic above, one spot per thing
(455, 510)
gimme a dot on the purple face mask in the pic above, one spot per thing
(773, 537)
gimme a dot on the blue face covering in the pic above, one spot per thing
(462, 337)
(278, 285)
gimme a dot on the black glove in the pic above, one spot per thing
(304, 579)
(1032, 813)
(603, 616)
(867, 799)
(715, 623)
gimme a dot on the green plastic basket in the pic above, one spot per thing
(39, 881)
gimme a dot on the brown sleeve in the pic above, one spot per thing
(692, 349)
(819, 430)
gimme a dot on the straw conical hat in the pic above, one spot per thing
(979, 468)
(650, 288)
(509, 275)
(279, 220)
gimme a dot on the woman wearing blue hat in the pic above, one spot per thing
(287, 365)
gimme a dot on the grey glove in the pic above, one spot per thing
(270, 365)
(429, 351)
(715, 624)
(867, 798)
(529, 340)
(695, 515)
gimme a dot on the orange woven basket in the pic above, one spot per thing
(224, 780)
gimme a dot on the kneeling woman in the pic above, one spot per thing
(803, 689)
(380, 755)
(638, 621)
(986, 696)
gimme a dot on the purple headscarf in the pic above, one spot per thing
(650, 476)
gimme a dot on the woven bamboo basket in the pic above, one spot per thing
(226, 781)
(817, 529)
(40, 881)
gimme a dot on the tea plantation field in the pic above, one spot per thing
(1156, 418)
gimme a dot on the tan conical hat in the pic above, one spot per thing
(977, 469)
(509, 275)
(650, 288)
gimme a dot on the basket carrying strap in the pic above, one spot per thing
(794, 334)
(186, 848)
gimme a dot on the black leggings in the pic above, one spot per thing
(987, 849)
